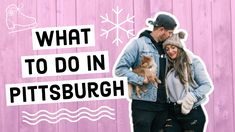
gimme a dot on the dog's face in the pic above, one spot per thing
(148, 62)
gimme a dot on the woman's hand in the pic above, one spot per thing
(187, 103)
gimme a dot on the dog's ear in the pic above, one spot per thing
(146, 59)
(145, 62)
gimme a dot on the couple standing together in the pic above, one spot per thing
(175, 104)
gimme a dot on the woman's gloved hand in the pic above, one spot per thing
(187, 103)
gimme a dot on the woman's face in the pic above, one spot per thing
(172, 51)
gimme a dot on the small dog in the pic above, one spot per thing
(147, 68)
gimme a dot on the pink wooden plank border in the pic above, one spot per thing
(183, 12)
(47, 17)
(84, 18)
(222, 65)
(202, 39)
(232, 10)
(210, 26)
(9, 72)
(66, 16)
(122, 106)
(159, 5)
(25, 48)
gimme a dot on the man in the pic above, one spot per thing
(149, 110)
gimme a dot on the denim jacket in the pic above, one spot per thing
(202, 84)
(131, 58)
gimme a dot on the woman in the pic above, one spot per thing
(187, 84)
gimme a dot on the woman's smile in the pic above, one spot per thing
(172, 51)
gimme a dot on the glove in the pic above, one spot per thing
(187, 103)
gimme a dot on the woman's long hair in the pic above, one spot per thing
(179, 64)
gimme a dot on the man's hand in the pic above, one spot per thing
(140, 90)
(146, 80)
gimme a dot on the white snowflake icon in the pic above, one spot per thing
(117, 26)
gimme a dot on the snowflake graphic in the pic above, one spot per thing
(117, 26)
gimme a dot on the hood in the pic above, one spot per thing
(158, 45)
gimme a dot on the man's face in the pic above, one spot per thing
(165, 34)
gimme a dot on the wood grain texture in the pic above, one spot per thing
(233, 52)
(211, 32)
(201, 16)
(24, 39)
(66, 16)
(183, 12)
(47, 17)
(202, 38)
(222, 66)
(9, 62)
